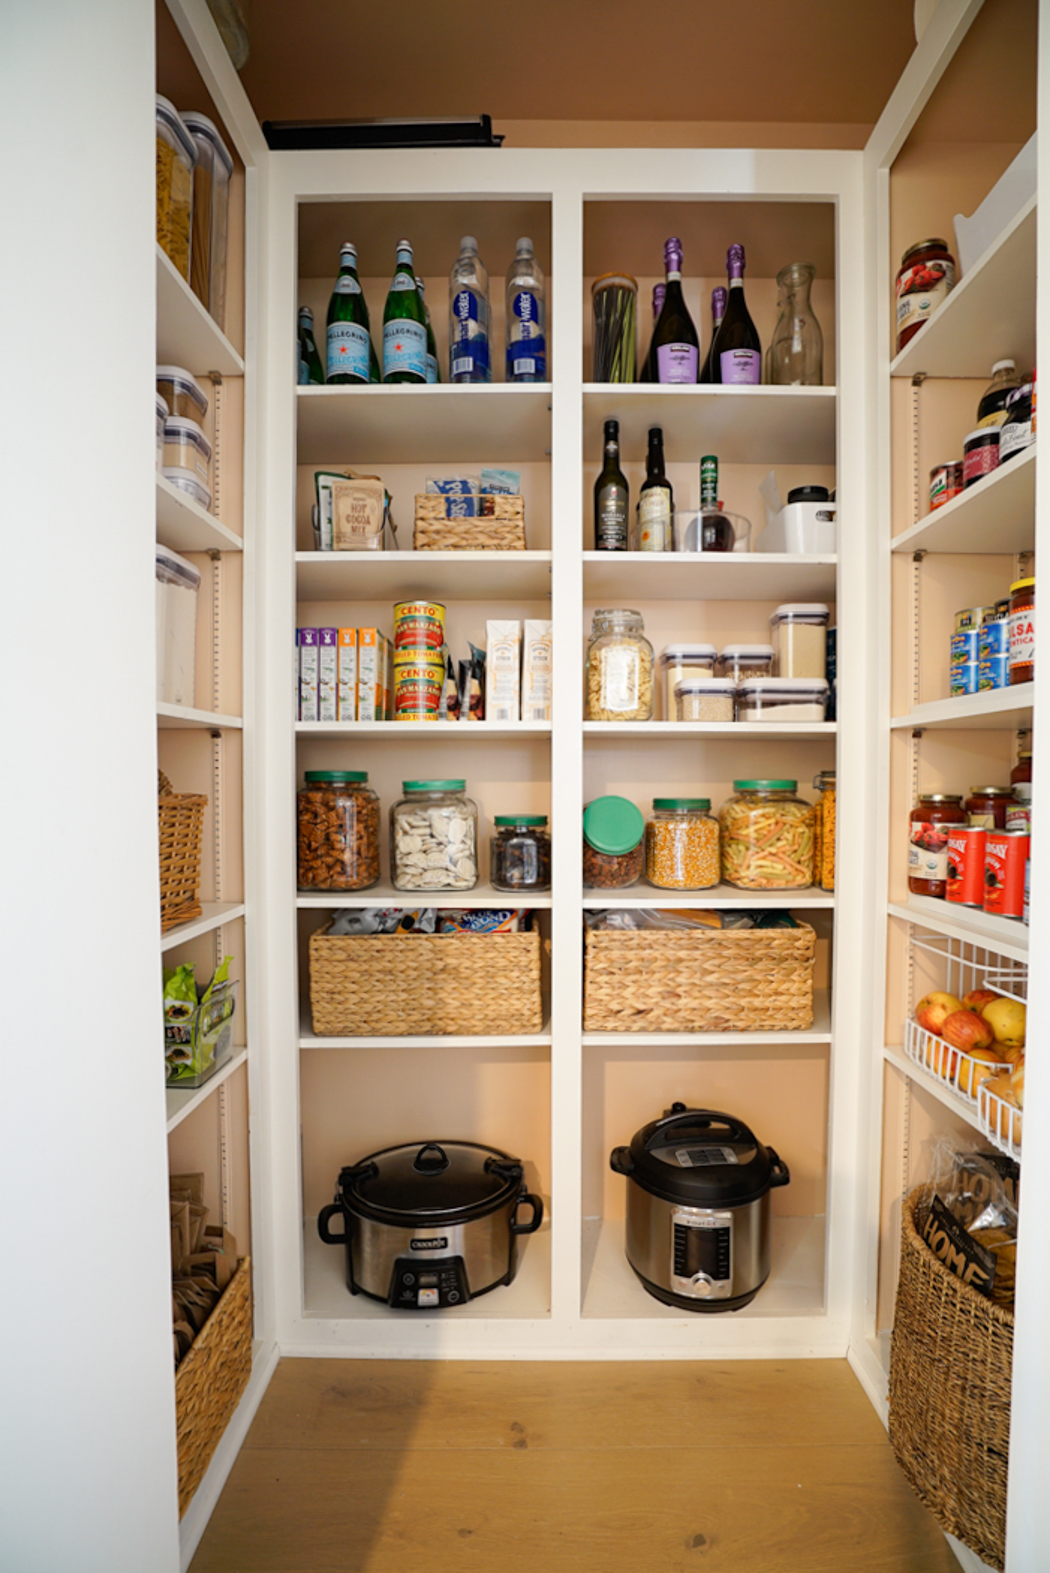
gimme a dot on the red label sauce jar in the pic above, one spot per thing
(1022, 631)
(980, 454)
(932, 819)
(987, 805)
(927, 274)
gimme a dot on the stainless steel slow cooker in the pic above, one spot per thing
(431, 1225)
(698, 1185)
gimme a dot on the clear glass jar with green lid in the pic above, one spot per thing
(434, 837)
(682, 844)
(520, 853)
(338, 831)
(613, 843)
(768, 836)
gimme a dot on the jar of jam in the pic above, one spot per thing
(1022, 631)
(927, 273)
(931, 820)
(986, 806)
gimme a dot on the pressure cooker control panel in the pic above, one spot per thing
(428, 1285)
(702, 1253)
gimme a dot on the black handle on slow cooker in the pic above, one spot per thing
(680, 1115)
(436, 1163)
(537, 1215)
(620, 1161)
(324, 1218)
(779, 1174)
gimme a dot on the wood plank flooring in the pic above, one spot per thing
(394, 1466)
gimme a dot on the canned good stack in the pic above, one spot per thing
(994, 646)
(419, 659)
(1005, 427)
(975, 851)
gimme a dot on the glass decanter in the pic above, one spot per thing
(796, 351)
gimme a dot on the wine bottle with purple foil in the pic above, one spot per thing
(737, 354)
(718, 311)
(676, 348)
(648, 372)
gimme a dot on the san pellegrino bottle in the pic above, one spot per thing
(348, 337)
(677, 348)
(611, 497)
(310, 368)
(737, 354)
(655, 500)
(404, 324)
(718, 311)
(526, 317)
(433, 373)
(648, 372)
(468, 309)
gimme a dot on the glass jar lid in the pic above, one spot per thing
(683, 805)
(509, 820)
(613, 825)
(433, 786)
(337, 777)
(824, 780)
(765, 786)
(924, 245)
(607, 618)
(674, 653)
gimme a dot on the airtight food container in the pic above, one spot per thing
(187, 448)
(182, 393)
(211, 205)
(176, 157)
(188, 481)
(162, 415)
(782, 699)
(679, 661)
(705, 699)
(741, 661)
(177, 585)
(799, 642)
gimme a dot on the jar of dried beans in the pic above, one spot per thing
(619, 668)
(434, 837)
(613, 837)
(338, 815)
(682, 844)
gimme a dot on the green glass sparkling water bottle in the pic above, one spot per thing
(433, 371)
(404, 324)
(310, 368)
(349, 351)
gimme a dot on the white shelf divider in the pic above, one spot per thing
(385, 895)
(709, 576)
(996, 514)
(463, 576)
(186, 334)
(472, 730)
(444, 423)
(182, 1101)
(941, 1090)
(687, 729)
(720, 896)
(994, 710)
(173, 717)
(213, 916)
(742, 425)
(1005, 936)
(185, 526)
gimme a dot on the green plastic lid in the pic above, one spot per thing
(683, 805)
(433, 786)
(613, 825)
(765, 786)
(337, 775)
(521, 819)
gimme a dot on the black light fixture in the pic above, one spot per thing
(311, 135)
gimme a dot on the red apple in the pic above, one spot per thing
(932, 1009)
(965, 1030)
(978, 997)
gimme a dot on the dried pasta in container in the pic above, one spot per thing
(768, 837)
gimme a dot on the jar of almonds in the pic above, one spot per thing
(619, 668)
(434, 837)
(338, 816)
(682, 844)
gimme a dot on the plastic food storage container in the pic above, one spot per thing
(520, 853)
(177, 585)
(162, 415)
(799, 639)
(741, 661)
(705, 699)
(182, 392)
(768, 836)
(211, 204)
(679, 661)
(619, 668)
(338, 819)
(434, 837)
(782, 699)
(613, 837)
(176, 158)
(682, 844)
(188, 481)
(187, 448)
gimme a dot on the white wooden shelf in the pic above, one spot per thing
(708, 576)
(460, 576)
(795, 1286)
(182, 1101)
(185, 526)
(432, 1040)
(994, 710)
(213, 916)
(943, 1091)
(441, 424)
(443, 729)
(742, 425)
(186, 335)
(174, 717)
(721, 896)
(1005, 936)
(996, 514)
(820, 1032)
(989, 315)
(687, 729)
(384, 895)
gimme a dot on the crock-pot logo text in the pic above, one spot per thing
(428, 1245)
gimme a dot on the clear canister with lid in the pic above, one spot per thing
(619, 668)
(162, 415)
(824, 783)
(682, 843)
(678, 661)
(520, 853)
(176, 160)
(768, 836)
(434, 837)
(211, 206)
(800, 639)
(705, 699)
(613, 843)
(742, 661)
(338, 831)
(182, 393)
(187, 448)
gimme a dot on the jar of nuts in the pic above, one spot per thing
(434, 837)
(613, 836)
(619, 668)
(682, 846)
(338, 817)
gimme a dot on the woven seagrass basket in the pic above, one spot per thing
(392, 984)
(950, 1360)
(181, 821)
(708, 980)
(210, 1380)
(501, 531)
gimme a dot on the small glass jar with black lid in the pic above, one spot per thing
(520, 853)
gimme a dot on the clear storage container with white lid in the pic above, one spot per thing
(177, 584)
(741, 661)
(800, 639)
(211, 204)
(187, 448)
(188, 481)
(176, 158)
(162, 415)
(782, 699)
(182, 391)
(678, 661)
(705, 699)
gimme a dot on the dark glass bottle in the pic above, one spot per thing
(716, 532)
(404, 324)
(676, 348)
(611, 497)
(433, 371)
(656, 500)
(718, 311)
(310, 368)
(648, 371)
(348, 335)
(737, 354)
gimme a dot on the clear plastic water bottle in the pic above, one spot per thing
(468, 336)
(526, 317)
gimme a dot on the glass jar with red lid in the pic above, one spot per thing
(927, 273)
(986, 806)
(931, 819)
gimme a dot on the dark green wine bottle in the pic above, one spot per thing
(404, 324)
(348, 333)
(611, 497)
(310, 368)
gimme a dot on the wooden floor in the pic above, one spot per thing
(603, 1467)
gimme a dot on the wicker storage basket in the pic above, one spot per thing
(181, 816)
(392, 984)
(501, 531)
(211, 1379)
(709, 980)
(950, 1361)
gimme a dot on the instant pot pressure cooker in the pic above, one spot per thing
(431, 1225)
(698, 1185)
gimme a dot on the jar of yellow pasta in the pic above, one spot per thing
(619, 668)
(824, 783)
(768, 837)
(176, 161)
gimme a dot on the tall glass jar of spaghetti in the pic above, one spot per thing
(932, 818)
(768, 837)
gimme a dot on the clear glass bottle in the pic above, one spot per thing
(469, 358)
(619, 668)
(796, 351)
(520, 853)
(768, 837)
(526, 324)
(682, 841)
(434, 837)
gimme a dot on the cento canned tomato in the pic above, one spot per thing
(1005, 856)
(419, 631)
(966, 865)
(417, 690)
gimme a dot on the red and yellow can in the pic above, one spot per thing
(1005, 855)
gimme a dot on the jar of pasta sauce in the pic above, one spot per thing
(927, 273)
(1022, 631)
(931, 820)
(987, 805)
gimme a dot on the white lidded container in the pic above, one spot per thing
(177, 585)
(187, 448)
(162, 415)
(188, 481)
(211, 206)
(705, 699)
(182, 392)
(679, 661)
(799, 632)
(782, 699)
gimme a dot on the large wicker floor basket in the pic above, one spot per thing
(181, 826)
(388, 985)
(211, 1379)
(707, 980)
(950, 1362)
